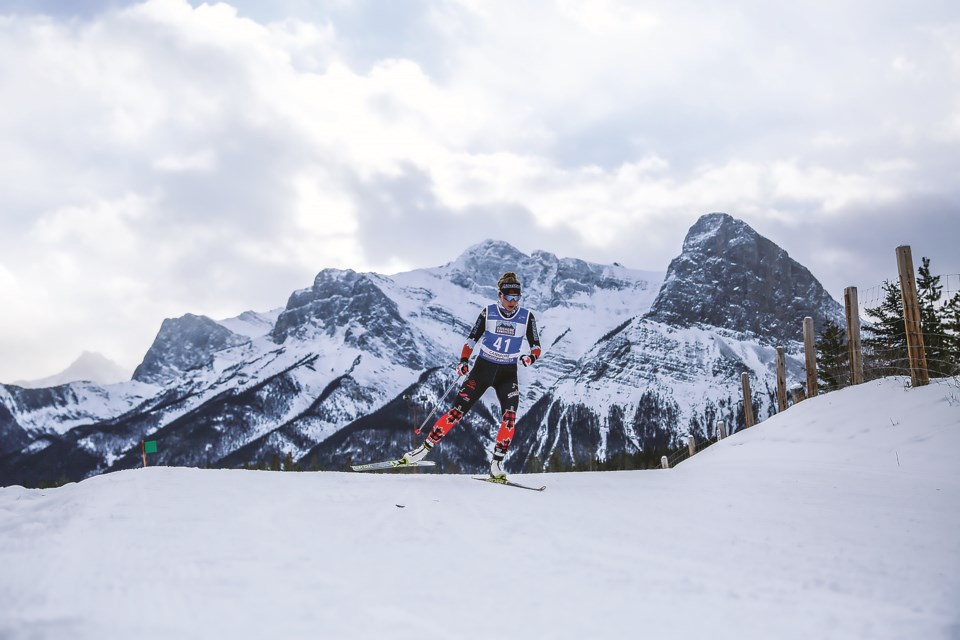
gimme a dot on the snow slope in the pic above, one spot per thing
(836, 519)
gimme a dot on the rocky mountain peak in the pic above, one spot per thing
(480, 266)
(729, 276)
(182, 344)
(337, 298)
(715, 227)
(548, 280)
(491, 251)
(344, 300)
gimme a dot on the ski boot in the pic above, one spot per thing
(417, 454)
(497, 474)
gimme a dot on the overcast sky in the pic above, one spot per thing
(169, 157)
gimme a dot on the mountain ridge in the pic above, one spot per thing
(89, 366)
(352, 363)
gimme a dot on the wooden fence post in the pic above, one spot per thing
(919, 376)
(692, 445)
(721, 430)
(854, 351)
(664, 462)
(810, 351)
(781, 380)
(747, 399)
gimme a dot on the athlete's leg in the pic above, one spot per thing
(470, 391)
(508, 393)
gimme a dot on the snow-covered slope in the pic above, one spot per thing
(252, 324)
(835, 519)
(57, 410)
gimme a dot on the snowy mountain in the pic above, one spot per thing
(727, 301)
(352, 363)
(89, 367)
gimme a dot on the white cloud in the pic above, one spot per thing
(831, 189)
(9, 287)
(205, 160)
(901, 64)
(165, 158)
(605, 17)
(89, 230)
(324, 224)
(951, 127)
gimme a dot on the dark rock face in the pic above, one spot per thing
(348, 300)
(182, 344)
(12, 436)
(731, 277)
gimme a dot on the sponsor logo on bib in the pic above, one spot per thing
(506, 329)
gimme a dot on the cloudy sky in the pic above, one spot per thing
(166, 156)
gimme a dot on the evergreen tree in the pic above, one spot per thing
(534, 464)
(951, 326)
(937, 345)
(650, 422)
(833, 371)
(274, 463)
(885, 346)
(555, 463)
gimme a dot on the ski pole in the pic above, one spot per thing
(437, 406)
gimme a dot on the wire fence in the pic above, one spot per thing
(883, 337)
(873, 297)
(682, 453)
(833, 366)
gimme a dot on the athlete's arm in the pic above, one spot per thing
(533, 338)
(475, 334)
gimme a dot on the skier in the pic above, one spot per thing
(500, 330)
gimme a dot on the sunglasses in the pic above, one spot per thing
(511, 298)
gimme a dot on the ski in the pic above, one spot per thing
(508, 483)
(391, 464)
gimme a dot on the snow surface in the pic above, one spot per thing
(838, 518)
(251, 323)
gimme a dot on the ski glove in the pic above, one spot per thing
(528, 360)
(463, 367)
